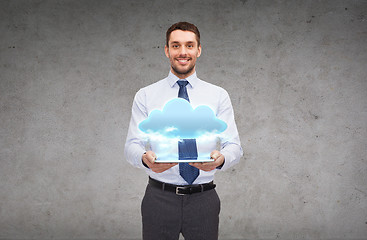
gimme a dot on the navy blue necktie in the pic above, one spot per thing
(187, 149)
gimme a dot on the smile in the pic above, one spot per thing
(183, 61)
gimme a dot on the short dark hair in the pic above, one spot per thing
(184, 26)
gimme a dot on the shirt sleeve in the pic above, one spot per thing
(230, 140)
(135, 145)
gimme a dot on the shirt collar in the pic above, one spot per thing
(172, 79)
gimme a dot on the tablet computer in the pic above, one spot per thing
(171, 160)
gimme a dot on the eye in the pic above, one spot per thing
(175, 46)
(190, 46)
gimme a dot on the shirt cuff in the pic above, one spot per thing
(228, 160)
(144, 164)
(220, 167)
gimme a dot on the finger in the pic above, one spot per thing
(215, 155)
(201, 166)
(196, 164)
(161, 167)
(207, 166)
(151, 158)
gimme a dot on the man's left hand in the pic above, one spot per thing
(209, 166)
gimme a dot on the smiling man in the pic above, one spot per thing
(182, 49)
(180, 197)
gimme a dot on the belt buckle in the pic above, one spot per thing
(177, 191)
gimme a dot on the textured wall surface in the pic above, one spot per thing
(297, 76)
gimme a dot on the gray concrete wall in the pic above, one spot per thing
(296, 73)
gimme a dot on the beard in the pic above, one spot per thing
(183, 72)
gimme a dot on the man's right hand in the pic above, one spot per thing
(149, 159)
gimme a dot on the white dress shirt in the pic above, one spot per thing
(154, 97)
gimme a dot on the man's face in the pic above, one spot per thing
(182, 51)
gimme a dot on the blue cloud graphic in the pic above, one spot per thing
(179, 120)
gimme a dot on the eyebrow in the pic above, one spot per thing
(175, 42)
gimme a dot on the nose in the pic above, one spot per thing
(183, 51)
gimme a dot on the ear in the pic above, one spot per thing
(166, 51)
(199, 51)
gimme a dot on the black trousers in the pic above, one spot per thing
(165, 215)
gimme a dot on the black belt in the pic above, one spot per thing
(181, 189)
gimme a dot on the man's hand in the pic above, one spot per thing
(149, 159)
(209, 166)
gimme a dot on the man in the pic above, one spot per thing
(180, 198)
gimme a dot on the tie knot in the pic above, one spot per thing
(182, 83)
